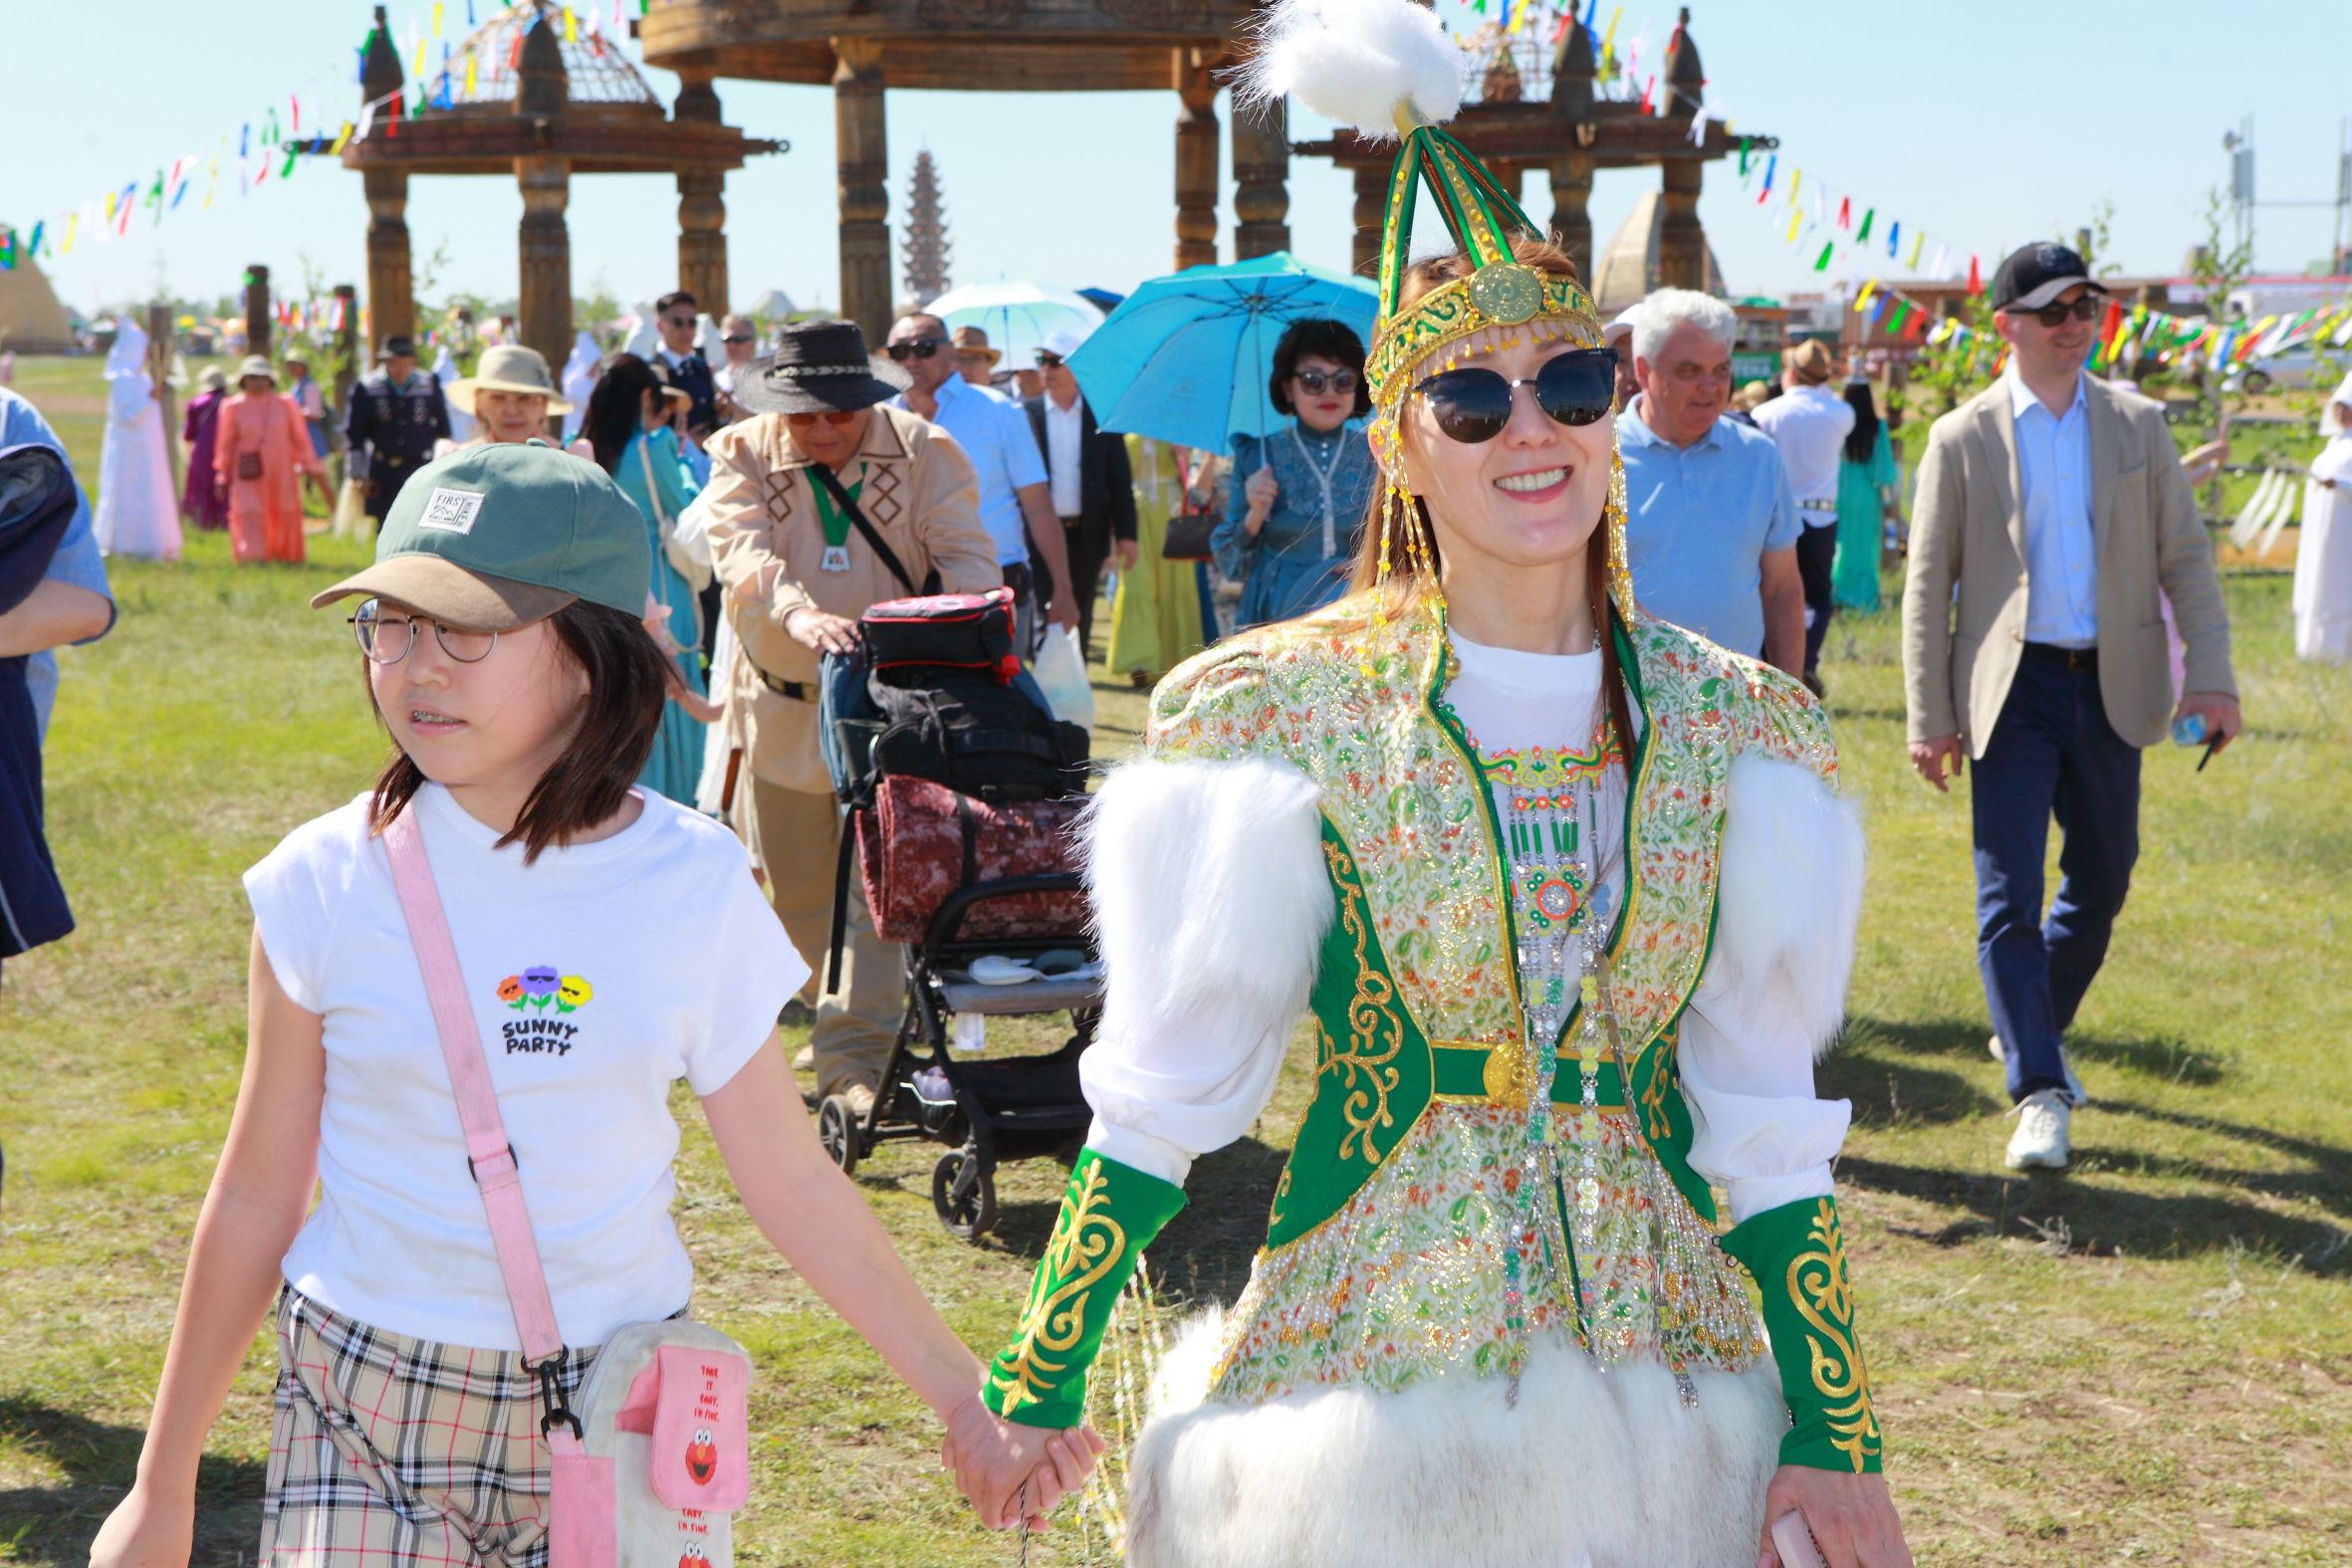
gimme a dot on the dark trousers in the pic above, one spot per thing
(1088, 554)
(1816, 555)
(2052, 752)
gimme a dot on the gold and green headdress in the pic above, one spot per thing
(1387, 66)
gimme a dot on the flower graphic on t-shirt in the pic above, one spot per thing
(541, 984)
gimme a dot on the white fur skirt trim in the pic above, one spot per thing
(1589, 1470)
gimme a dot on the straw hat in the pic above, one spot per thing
(213, 379)
(974, 340)
(1811, 362)
(254, 365)
(508, 367)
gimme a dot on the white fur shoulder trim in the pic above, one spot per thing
(1790, 891)
(1207, 881)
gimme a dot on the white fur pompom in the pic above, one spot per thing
(1355, 62)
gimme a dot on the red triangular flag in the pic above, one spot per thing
(1846, 212)
(1975, 276)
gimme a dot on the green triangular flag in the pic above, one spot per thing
(1821, 262)
(1863, 233)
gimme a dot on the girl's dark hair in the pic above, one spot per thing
(1323, 339)
(616, 409)
(627, 682)
(1865, 432)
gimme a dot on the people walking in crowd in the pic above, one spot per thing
(138, 513)
(510, 396)
(739, 340)
(2322, 597)
(1300, 494)
(633, 439)
(522, 696)
(202, 500)
(1155, 618)
(1810, 423)
(2051, 519)
(798, 571)
(463, 427)
(1710, 528)
(976, 362)
(397, 414)
(676, 317)
(1867, 514)
(1087, 479)
(307, 399)
(579, 379)
(262, 448)
(1015, 501)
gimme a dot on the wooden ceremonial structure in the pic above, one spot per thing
(863, 47)
(532, 95)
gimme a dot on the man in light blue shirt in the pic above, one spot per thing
(1709, 526)
(2062, 563)
(1015, 498)
(73, 603)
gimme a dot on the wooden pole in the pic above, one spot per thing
(1371, 218)
(862, 154)
(544, 316)
(702, 204)
(1571, 221)
(257, 309)
(391, 302)
(1196, 158)
(1682, 243)
(159, 340)
(1260, 171)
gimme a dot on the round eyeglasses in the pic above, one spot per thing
(387, 638)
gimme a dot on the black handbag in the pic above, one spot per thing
(1188, 535)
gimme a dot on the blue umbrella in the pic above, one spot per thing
(1184, 359)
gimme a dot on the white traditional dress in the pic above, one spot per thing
(2323, 558)
(138, 512)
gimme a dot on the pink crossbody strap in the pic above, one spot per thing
(489, 1156)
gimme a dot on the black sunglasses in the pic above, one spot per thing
(2055, 316)
(1047, 359)
(1317, 381)
(922, 349)
(1473, 405)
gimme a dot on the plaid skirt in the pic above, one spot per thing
(386, 1449)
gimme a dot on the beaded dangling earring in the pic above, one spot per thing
(1612, 518)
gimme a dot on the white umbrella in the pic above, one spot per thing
(1017, 316)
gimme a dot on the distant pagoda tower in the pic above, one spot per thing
(928, 246)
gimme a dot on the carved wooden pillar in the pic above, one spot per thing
(257, 309)
(1682, 243)
(1196, 158)
(1572, 222)
(861, 154)
(160, 335)
(1371, 218)
(391, 307)
(702, 204)
(1261, 169)
(544, 318)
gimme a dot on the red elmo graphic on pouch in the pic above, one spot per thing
(693, 1557)
(702, 1461)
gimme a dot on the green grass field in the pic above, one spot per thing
(2148, 1359)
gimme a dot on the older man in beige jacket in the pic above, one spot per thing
(2052, 522)
(798, 574)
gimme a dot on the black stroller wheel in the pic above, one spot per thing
(971, 1213)
(838, 1130)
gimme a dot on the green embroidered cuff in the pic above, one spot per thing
(1798, 1254)
(1109, 1213)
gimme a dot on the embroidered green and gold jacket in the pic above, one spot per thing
(1386, 1240)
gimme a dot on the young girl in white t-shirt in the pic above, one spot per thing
(609, 942)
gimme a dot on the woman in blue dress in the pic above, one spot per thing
(628, 429)
(1299, 494)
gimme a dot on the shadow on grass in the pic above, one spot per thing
(54, 1524)
(1867, 1038)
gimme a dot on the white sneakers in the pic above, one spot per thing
(2074, 1089)
(2040, 1138)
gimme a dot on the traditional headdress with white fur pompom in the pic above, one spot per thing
(1381, 64)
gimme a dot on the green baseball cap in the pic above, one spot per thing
(498, 535)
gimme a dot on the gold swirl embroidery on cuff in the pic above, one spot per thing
(1086, 1245)
(1366, 1069)
(1822, 1293)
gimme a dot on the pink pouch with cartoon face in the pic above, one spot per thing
(701, 1429)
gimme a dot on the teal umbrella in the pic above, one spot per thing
(1184, 359)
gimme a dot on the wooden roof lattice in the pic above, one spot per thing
(596, 74)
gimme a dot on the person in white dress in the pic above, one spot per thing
(2323, 559)
(137, 509)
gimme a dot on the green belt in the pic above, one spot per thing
(1487, 1074)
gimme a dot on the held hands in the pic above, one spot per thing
(818, 632)
(994, 1459)
(1931, 758)
(1853, 1517)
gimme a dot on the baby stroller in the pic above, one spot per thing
(962, 790)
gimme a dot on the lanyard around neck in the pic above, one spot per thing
(1322, 477)
(832, 519)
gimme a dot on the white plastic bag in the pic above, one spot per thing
(1062, 676)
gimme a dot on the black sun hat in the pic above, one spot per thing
(817, 367)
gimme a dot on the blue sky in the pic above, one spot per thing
(1985, 125)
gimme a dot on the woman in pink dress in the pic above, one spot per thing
(259, 444)
(203, 500)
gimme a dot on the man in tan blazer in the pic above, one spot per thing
(2052, 522)
(798, 573)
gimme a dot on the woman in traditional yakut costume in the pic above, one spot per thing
(1571, 896)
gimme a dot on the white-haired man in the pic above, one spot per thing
(1710, 528)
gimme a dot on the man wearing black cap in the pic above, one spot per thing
(398, 412)
(2052, 522)
(798, 571)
